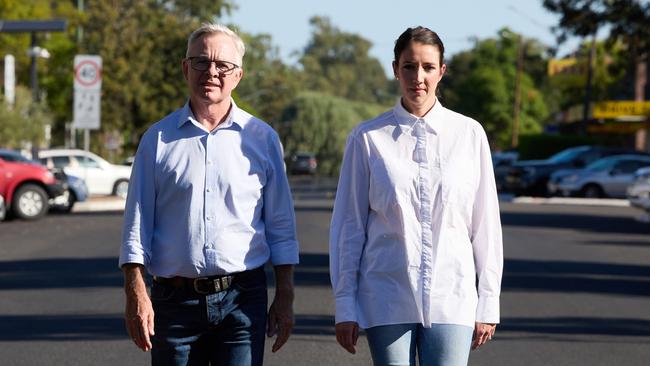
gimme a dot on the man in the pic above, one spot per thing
(209, 204)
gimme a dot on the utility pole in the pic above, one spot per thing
(587, 101)
(517, 104)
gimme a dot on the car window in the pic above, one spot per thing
(600, 165)
(590, 156)
(87, 162)
(58, 161)
(628, 166)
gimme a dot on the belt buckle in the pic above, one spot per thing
(196, 287)
(218, 284)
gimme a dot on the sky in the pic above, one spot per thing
(382, 21)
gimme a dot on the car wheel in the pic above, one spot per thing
(30, 202)
(121, 188)
(72, 199)
(592, 191)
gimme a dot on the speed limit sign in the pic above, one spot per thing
(87, 91)
(87, 72)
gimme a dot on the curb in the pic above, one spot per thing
(101, 203)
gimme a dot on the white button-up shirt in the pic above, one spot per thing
(416, 233)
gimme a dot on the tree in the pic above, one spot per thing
(627, 21)
(268, 85)
(320, 123)
(480, 83)
(338, 63)
(23, 124)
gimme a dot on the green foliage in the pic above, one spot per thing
(320, 123)
(480, 83)
(23, 124)
(268, 85)
(338, 63)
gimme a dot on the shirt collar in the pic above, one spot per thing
(233, 119)
(406, 121)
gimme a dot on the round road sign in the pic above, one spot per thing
(87, 73)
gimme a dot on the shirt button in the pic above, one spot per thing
(208, 218)
(209, 162)
(207, 190)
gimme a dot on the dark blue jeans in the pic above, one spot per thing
(226, 328)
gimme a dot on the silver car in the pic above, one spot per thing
(607, 177)
(639, 192)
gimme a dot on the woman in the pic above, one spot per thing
(415, 242)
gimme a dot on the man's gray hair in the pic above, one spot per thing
(215, 28)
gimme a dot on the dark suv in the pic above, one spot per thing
(530, 177)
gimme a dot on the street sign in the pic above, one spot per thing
(10, 79)
(87, 91)
(614, 109)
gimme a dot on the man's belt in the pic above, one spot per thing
(207, 285)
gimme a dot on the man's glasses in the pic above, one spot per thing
(203, 64)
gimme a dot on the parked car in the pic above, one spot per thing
(77, 192)
(302, 163)
(26, 187)
(607, 177)
(531, 176)
(638, 193)
(100, 176)
(502, 163)
(3, 210)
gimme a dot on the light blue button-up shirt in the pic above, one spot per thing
(205, 202)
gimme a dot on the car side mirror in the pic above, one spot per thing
(579, 164)
(615, 171)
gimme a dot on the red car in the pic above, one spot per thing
(26, 187)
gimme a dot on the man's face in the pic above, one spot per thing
(212, 86)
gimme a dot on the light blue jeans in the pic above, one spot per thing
(440, 345)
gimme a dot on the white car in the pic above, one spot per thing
(101, 176)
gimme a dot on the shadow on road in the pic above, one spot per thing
(60, 273)
(573, 277)
(578, 325)
(61, 327)
(607, 224)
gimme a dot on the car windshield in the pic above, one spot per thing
(14, 157)
(600, 165)
(567, 155)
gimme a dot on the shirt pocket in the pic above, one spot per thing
(458, 191)
(382, 186)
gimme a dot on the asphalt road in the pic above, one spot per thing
(576, 290)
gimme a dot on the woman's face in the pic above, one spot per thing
(419, 71)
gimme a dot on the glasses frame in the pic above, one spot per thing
(231, 66)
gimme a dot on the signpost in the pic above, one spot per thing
(87, 94)
(10, 79)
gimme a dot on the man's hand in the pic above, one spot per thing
(483, 332)
(138, 314)
(281, 320)
(347, 334)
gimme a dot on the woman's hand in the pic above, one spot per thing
(483, 332)
(347, 334)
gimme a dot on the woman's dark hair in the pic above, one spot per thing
(421, 35)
